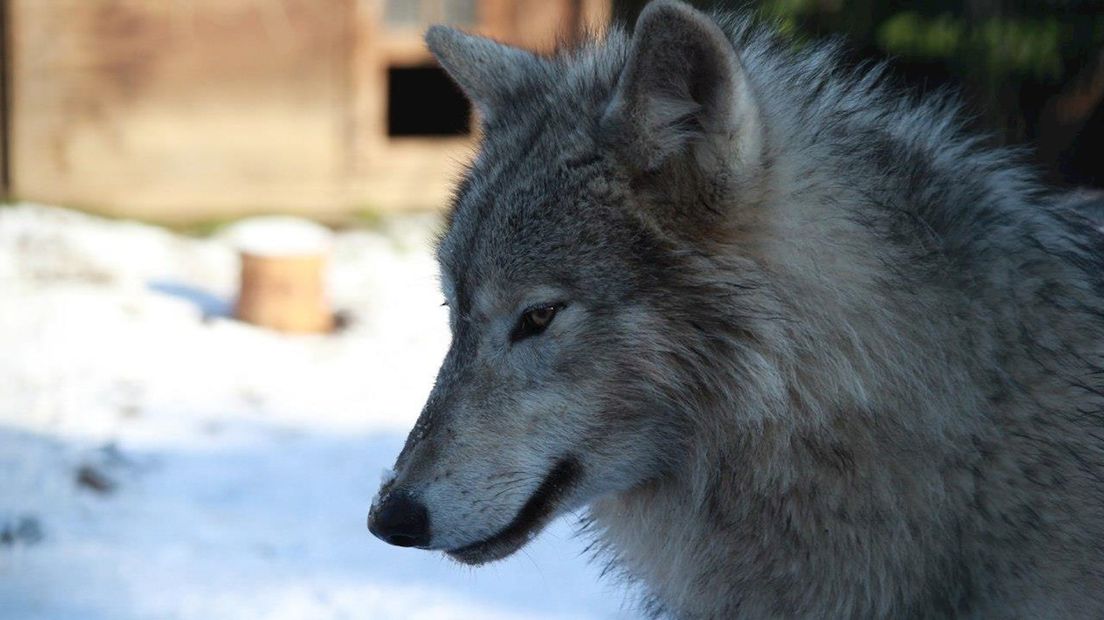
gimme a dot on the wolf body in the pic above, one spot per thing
(799, 346)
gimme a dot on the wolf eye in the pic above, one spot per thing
(534, 321)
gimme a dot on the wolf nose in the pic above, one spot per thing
(400, 520)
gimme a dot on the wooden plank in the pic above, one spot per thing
(211, 108)
(5, 73)
(182, 109)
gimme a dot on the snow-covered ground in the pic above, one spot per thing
(160, 460)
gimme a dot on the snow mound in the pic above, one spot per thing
(278, 236)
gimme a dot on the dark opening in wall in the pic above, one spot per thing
(422, 101)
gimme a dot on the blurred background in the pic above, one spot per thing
(218, 308)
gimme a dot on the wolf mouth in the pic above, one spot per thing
(534, 514)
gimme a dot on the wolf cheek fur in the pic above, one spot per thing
(814, 352)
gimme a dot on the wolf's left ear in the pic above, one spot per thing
(683, 91)
(487, 71)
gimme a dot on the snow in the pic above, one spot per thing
(277, 235)
(227, 470)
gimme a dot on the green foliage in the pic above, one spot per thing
(909, 34)
(198, 228)
(1000, 46)
(1021, 46)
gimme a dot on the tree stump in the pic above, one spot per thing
(283, 266)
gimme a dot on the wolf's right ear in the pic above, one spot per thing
(683, 91)
(487, 71)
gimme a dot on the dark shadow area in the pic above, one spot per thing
(422, 101)
(209, 304)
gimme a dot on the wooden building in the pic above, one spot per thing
(184, 110)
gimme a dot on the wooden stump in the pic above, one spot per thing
(283, 267)
(285, 293)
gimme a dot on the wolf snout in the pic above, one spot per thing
(400, 519)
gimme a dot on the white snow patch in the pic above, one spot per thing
(278, 236)
(387, 476)
(240, 462)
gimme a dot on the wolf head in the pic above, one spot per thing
(578, 268)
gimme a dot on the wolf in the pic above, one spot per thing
(794, 344)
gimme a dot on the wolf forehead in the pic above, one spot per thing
(548, 229)
(542, 209)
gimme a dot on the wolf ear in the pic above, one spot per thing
(487, 71)
(683, 91)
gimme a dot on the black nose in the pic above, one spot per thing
(400, 520)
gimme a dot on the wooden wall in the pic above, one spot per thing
(5, 81)
(195, 109)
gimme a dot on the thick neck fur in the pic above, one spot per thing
(858, 461)
(808, 450)
(898, 344)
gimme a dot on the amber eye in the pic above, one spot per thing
(534, 321)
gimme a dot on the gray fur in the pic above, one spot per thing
(821, 354)
(487, 71)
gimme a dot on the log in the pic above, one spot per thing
(283, 267)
